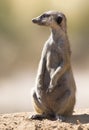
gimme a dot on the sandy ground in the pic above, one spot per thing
(20, 121)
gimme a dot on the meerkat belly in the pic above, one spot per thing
(50, 100)
(56, 97)
(60, 89)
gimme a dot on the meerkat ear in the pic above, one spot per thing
(59, 19)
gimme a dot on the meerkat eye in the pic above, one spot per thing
(45, 15)
(59, 19)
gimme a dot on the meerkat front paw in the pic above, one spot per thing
(51, 86)
(50, 89)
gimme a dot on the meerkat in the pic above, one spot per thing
(55, 89)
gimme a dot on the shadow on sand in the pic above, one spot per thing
(83, 118)
(74, 119)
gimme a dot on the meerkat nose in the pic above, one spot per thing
(34, 20)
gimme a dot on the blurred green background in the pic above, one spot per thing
(21, 44)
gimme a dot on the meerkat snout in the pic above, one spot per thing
(41, 20)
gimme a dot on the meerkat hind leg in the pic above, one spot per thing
(43, 116)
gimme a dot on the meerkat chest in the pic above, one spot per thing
(54, 56)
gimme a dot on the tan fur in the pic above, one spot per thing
(55, 88)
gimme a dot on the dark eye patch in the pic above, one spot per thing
(59, 19)
(45, 15)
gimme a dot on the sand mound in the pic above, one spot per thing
(20, 121)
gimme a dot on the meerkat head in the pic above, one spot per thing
(52, 19)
